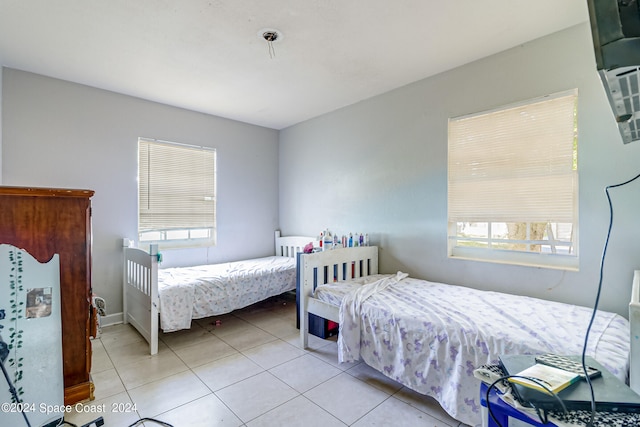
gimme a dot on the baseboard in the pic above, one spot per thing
(79, 392)
(111, 319)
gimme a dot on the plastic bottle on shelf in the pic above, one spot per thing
(321, 240)
(350, 240)
(361, 240)
(328, 240)
(344, 241)
(366, 239)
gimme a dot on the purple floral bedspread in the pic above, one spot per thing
(430, 336)
(188, 293)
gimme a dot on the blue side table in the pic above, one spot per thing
(502, 411)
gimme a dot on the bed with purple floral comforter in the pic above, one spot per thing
(200, 291)
(430, 336)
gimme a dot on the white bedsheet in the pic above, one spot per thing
(430, 337)
(188, 293)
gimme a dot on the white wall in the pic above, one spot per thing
(61, 134)
(380, 166)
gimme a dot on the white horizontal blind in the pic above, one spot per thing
(176, 186)
(514, 165)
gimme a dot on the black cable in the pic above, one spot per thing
(595, 306)
(495, 420)
(98, 422)
(535, 380)
(162, 423)
(14, 393)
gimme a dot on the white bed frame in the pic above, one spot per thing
(141, 306)
(333, 265)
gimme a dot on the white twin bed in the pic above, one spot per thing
(170, 298)
(430, 337)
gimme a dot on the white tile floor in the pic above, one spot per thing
(247, 371)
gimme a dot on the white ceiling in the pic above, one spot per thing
(209, 56)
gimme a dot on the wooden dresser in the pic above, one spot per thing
(48, 221)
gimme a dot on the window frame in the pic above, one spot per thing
(569, 260)
(203, 190)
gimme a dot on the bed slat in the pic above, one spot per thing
(289, 246)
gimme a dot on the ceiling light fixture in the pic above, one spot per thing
(270, 36)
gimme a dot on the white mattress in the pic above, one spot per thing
(188, 293)
(431, 336)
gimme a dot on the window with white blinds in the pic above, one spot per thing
(513, 184)
(177, 193)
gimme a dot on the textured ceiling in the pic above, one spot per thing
(208, 55)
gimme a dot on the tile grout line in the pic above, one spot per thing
(260, 318)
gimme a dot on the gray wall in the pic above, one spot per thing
(380, 166)
(61, 134)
